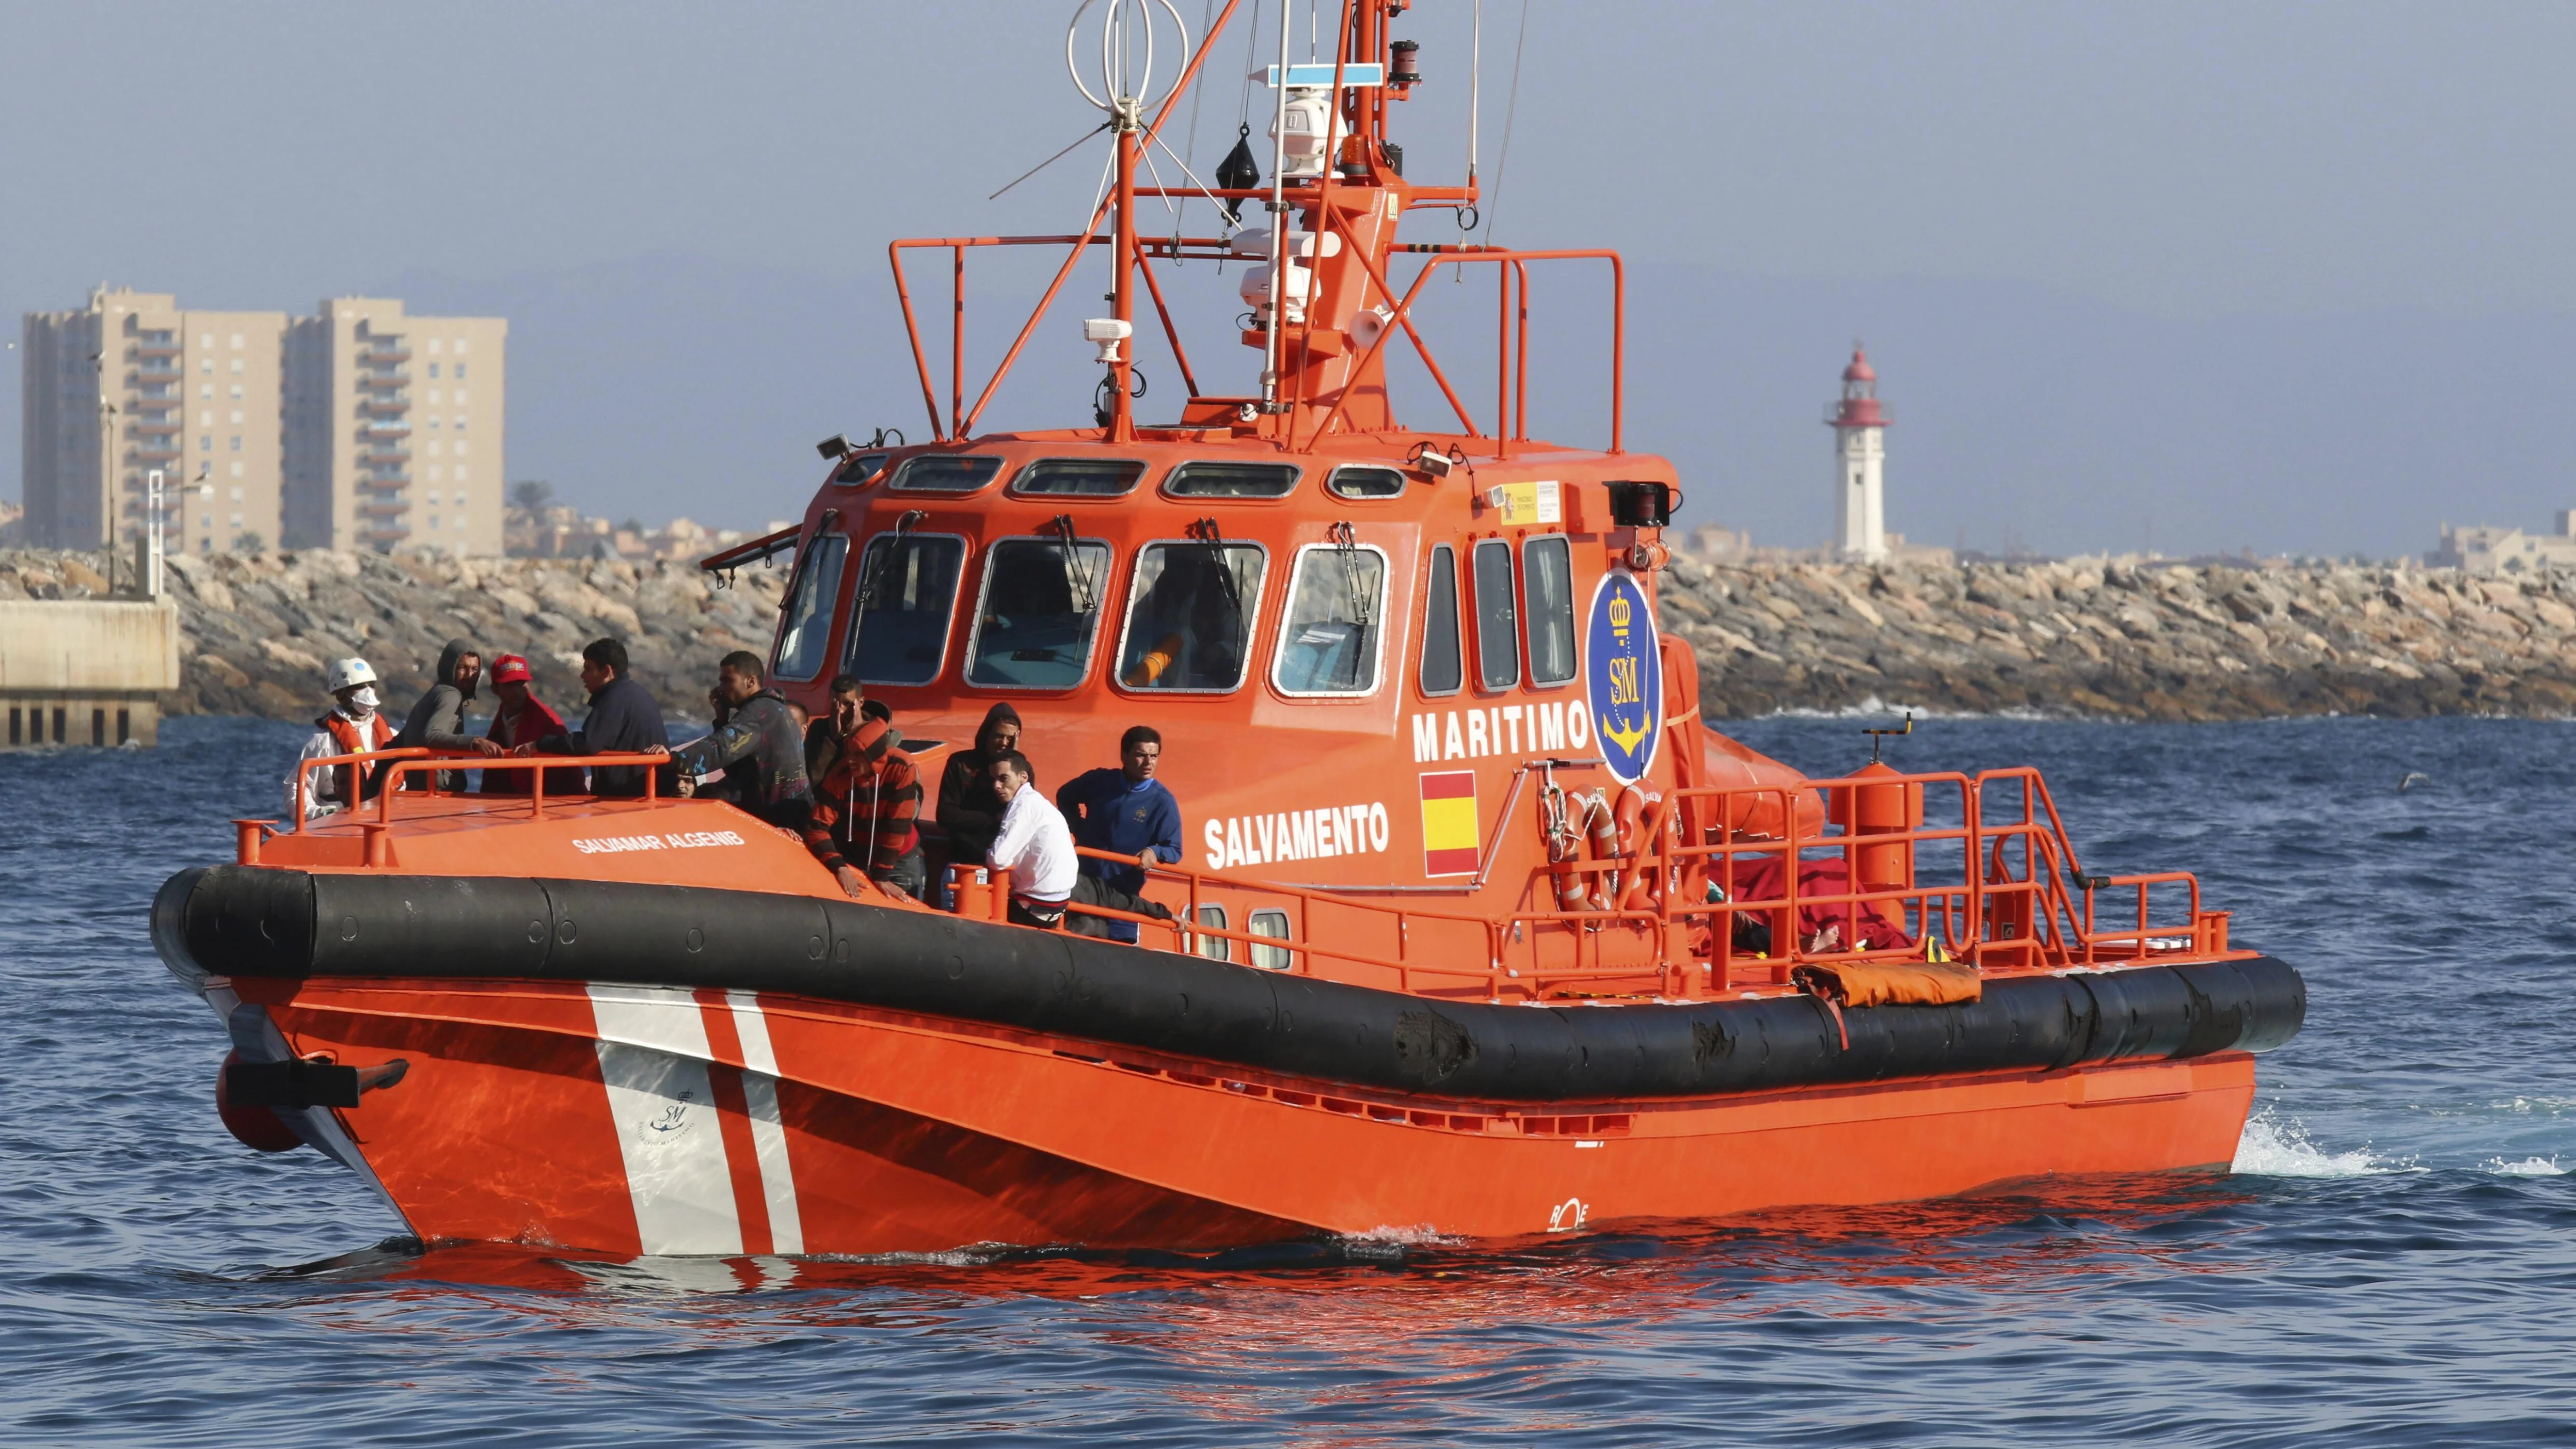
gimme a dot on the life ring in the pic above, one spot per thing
(1564, 847)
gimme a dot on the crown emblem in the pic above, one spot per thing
(1619, 614)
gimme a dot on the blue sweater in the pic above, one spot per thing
(1108, 813)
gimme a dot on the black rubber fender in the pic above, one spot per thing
(248, 921)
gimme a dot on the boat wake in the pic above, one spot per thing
(2274, 1146)
(2528, 1167)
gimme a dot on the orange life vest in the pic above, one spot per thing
(355, 738)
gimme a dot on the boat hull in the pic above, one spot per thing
(621, 1070)
(623, 1120)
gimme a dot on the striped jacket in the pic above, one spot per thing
(867, 801)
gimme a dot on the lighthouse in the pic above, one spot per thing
(1860, 455)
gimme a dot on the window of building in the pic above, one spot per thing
(207, 391)
(1039, 613)
(237, 392)
(1273, 924)
(460, 397)
(433, 372)
(237, 417)
(460, 447)
(1547, 600)
(237, 495)
(803, 643)
(434, 395)
(433, 344)
(206, 340)
(944, 473)
(1366, 483)
(237, 342)
(432, 499)
(237, 470)
(1232, 480)
(1190, 614)
(460, 472)
(899, 615)
(460, 524)
(433, 420)
(1330, 640)
(1443, 667)
(1079, 477)
(237, 364)
(237, 517)
(206, 366)
(460, 367)
(236, 442)
(205, 442)
(436, 473)
(460, 422)
(460, 351)
(433, 520)
(1215, 948)
(1498, 634)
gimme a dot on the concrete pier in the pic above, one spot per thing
(85, 671)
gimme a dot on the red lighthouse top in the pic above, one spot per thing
(1859, 407)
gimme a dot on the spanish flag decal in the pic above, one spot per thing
(1451, 836)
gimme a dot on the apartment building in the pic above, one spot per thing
(358, 427)
(395, 432)
(132, 383)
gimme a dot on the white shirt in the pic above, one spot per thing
(1035, 847)
(322, 793)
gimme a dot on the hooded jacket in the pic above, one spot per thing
(437, 719)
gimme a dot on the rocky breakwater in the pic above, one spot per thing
(2127, 641)
(258, 630)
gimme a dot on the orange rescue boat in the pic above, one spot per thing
(1484, 931)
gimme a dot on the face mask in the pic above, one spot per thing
(362, 703)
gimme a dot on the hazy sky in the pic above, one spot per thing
(2219, 172)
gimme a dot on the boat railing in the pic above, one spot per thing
(2012, 898)
(386, 771)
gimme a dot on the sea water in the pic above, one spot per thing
(2389, 1263)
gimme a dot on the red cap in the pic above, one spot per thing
(510, 669)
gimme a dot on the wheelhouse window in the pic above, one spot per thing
(1547, 600)
(858, 468)
(805, 642)
(1039, 612)
(1498, 634)
(1443, 667)
(1190, 615)
(899, 613)
(1366, 483)
(944, 473)
(1329, 644)
(1232, 480)
(1079, 477)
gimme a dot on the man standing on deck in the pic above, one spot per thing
(1126, 811)
(623, 719)
(521, 718)
(1033, 844)
(353, 727)
(866, 802)
(437, 718)
(758, 739)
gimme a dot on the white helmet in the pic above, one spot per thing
(348, 674)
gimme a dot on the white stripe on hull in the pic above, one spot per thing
(653, 1056)
(768, 1133)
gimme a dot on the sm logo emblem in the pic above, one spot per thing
(1624, 675)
